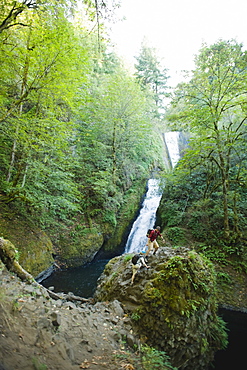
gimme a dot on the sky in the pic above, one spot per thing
(177, 29)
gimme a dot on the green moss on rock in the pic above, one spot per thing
(174, 301)
(33, 245)
(78, 248)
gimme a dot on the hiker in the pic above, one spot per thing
(152, 242)
(138, 260)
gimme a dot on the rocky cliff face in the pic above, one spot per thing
(172, 304)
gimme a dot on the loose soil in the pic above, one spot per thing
(38, 332)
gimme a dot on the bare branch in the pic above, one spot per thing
(15, 11)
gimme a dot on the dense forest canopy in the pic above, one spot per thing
(77, 129)
(150, 73)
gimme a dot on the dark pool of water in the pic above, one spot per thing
(81, 280)
(234, 356)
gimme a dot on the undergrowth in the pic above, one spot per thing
(146, 358)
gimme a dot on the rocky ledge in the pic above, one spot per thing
(39, 332)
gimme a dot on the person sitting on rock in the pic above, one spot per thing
(152, 242)
(138, 261)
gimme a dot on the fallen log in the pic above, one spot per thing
(9, 257)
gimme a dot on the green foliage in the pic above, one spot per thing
(128, 257)
(110, 217)
(113, 149)
(41, 77)
(213, 252)
(170, 213)
(223, 278)
(155, 359)
(147, 358)
(211, 107)
(218, 333)
(135, 316)
(176, 235)
(193, 202)
(15, 306)
(77, 132)
(151, 75)
(174, 276)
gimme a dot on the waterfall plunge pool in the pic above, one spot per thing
(81, 281)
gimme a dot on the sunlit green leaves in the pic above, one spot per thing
(211, 106)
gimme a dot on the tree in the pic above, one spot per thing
(213, 104)
(43, 66)
(76, 129)
(151, 74)
(115, 143)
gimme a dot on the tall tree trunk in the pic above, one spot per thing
(114, 157)
(23, 92)
(12, 161)
(24, 176)
(224, 169)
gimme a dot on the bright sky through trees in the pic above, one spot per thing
(177, 28)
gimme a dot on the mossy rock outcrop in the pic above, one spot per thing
(33, 245)
(172, 304)
(115, 237)
(80, 247)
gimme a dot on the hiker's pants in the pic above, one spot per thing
(152, 245)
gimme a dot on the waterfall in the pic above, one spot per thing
(146, 220)
(171, 140)
(137, 237)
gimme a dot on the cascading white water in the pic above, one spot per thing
(137, 237)
(171, 139)
(146, 220)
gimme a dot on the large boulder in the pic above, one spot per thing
(172, 304)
